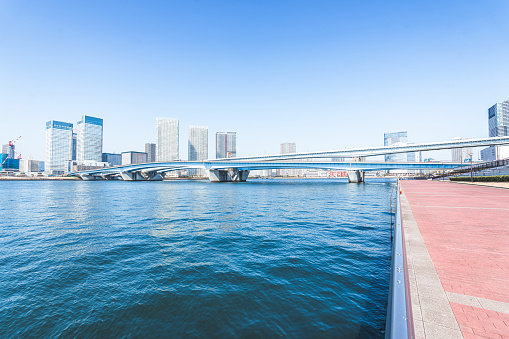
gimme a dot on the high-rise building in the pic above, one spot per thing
(395, 139)
(9, 149)
(498, 119)
(399, 139)
(287, 148)
(498, 126)
(74, 145)
(89, 145)
(198, 146)
(461, 154)
(150, 149)
(58, 146)
(226, 145)
(167, 139)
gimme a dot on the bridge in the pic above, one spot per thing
(222, 171)
(237, 169)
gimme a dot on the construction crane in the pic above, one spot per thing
(11, 152)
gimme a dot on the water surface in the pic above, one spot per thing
(265, 258)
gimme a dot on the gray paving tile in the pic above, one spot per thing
(440, 332)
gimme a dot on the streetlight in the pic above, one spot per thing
(471, 168)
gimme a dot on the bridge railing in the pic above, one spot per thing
(399, 322)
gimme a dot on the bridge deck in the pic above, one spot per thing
(457, 246)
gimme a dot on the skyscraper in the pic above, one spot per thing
(287, 148)
(74, 145)
(226, 145)
(395, 139)
(58, 146)
(89, 145)
(498, 126)
(198, 146)
(150, 149)
(167, 139)
(498, 119)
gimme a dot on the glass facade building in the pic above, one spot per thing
(198, 146)
(167, 139)
(89, 145)
(114, 159)
(226, 145)
(498, 119)
(58, 146)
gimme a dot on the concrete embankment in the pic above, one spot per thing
(457, 240)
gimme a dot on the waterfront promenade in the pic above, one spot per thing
(457, 239)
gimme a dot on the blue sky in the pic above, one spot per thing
(324, 74)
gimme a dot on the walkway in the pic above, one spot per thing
(457, 240)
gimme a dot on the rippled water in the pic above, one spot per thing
(265, 258)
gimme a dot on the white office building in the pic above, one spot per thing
(198, 146)
(288, 148)
(58, 146)
(89, 141)
(226, 145)
(167, 139)
(461, 154)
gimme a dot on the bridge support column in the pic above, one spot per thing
(355, 176)
(141, 176)
(230, 174)
(90, 177)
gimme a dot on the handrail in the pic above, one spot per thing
(399, 322)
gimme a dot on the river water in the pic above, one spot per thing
(265, 258)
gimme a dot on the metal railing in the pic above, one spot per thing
(473, 168)
(399, 322)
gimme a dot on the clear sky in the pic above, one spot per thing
(324, 74)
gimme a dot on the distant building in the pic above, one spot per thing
(85, 165)
(498, 126)
(399, 139)
(89, 145)
(114, 159)
(58, 146)
(9, 149)
(226, 145)
(74, 145)
(132, 157)
(461, 154)
(498, 119)
(198, 146)
(167, 139)
(28, 166)
(287, 148)
(493, 153)
(150, 149)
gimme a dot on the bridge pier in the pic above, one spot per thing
(228, 175)
(90, 177)
(141, 176)
(355, 176)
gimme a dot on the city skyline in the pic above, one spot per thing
(272, 72)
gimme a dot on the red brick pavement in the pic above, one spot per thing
(466, 231)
